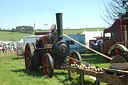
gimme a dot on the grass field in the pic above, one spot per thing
(13, 72)
(7, 56)
(75, 31)
(15, 36)
(12, 36)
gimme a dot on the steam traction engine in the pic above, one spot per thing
(50, 51)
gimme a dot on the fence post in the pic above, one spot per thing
(17, 52)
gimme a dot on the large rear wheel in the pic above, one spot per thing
(47, 65)
(29, 52)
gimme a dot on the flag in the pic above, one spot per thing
(52, 27)
(34, 26)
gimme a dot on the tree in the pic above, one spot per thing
(114, 10)
(13, 30)
(4, 29)
(24, 29)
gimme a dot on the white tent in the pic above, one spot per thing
(21, 41)
(89, 35)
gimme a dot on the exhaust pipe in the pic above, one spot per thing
(59, 26)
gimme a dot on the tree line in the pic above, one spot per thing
(21, 29)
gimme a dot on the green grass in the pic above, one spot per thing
(75, 31)
(12, 36)
(13, 72)
(7, 56)
(15, 36)
(95, 60)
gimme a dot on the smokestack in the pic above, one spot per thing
(59, 26)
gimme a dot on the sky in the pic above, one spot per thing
(76, 13)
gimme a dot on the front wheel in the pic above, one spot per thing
(47, 65)
(118, 50)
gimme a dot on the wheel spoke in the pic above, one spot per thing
(47, 70)
(44, 65)
(28, 52)
(47, 64)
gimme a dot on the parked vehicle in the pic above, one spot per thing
(30, 39)
(115, 41)
(74, 46)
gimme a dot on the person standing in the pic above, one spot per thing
(3, 48)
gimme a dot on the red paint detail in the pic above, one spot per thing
(34, 25)
(52, 27)
(46, 40)
(117, 51)
(73, 55)
(57, 67)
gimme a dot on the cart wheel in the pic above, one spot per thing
(47, 65)
(76, 56)
(29, 51)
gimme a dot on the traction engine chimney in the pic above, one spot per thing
(59, 26)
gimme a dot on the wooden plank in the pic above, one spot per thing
(111, 79)
(125, 72)
(119, 65)
(101, 76)
(90, 72)
(82, 78)
(80, 71)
